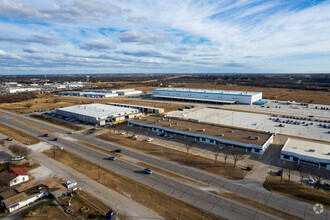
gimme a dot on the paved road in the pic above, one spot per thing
(200, 198)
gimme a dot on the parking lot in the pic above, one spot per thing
(263, 122)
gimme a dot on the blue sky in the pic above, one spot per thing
(164, 36)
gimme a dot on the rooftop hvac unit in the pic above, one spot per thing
(249, 136)
(222, 135)
(257, 138)
(162, 118)
(146, 119)
(170, 125)
(311, 150)
(140, 118)
(231, 131)
(169, 119)
(203, 130)
(189, 129)
(176, 123)
(329, 153)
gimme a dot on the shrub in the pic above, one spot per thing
(20, 150)
(249, 168)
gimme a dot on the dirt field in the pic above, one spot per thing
(18, 135)
(273, 93)
(298, 191)
(51, 211)
(227, 171)
(165, 205)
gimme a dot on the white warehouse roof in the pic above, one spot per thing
(307, 149)
(97, 110)
(230, 92)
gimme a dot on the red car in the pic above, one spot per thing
(46, 135)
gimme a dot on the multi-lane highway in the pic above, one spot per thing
(190, 194)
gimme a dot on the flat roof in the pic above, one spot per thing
(230, 133)
(96, 110)
(307, 148)
(192, 90)
(140, 106)
(86, 93)
(196, 99)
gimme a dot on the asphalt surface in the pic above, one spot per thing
(200, 198)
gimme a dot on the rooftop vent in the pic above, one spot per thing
(222, 135)
(231, 131)
(257, 138)
(189, 129)
(146, 119)
(155, 122)
(176, 123)
(140, 118)
(203, 130)
(170, 125)
(311, 150)
(249, 136)
(169, 119)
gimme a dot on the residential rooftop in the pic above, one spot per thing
(214, 130)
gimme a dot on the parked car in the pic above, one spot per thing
(70, 132)
(118, 150)
(279, 173)
(55, 139)
(9, 139)
(122, 133)
(170, 136)
(46, 135)
(311, 181)
(326, 186)
(17, 158)
(147, 171)
(149, 139)
(112, 158)
(180, 109)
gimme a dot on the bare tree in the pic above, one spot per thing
(237, 155)
(318, 175)
(287, 169)
(20, 150)
(188, 147)
(28, 105)
(225, 156)
(303, 172)
(216, 152)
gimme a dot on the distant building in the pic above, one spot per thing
(98, 113)
(24, 195)
(310, 153)
(144, 109)
(88, 94)
(124, 92)
(14, 176)
(209, 96)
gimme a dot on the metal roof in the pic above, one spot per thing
(192, 90)
(97, 110)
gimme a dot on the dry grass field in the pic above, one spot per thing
(166, 206)
(56, 122)
(221, 169)
(298, 191)
(17, 135)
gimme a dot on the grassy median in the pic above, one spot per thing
(18, 135)
(167, 206)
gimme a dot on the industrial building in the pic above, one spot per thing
(207, 95)
(88, 94)
(194, 130)
(98, 113)
(14, 199)
(310, 153)
(144, 109)
(124, 92)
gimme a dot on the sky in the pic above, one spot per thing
(164, 36)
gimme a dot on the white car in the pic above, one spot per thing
(149, 139)
(122, 133)
(17, 158)
(311, 181)
(70, 132)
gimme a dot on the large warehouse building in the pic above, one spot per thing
(193, 130)
(98, 113)
(88, 94)
(307, 152)
(207, 95)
